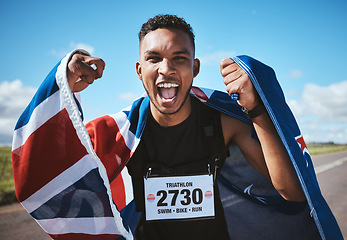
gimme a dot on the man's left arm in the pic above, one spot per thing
(269, 157)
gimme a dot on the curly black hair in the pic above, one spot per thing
(167, 22)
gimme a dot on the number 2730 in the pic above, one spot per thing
(196, 196)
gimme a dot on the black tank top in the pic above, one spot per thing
(179, 149)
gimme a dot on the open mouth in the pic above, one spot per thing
(167, 91)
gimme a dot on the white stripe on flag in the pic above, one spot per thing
(124, 125)
(101, 225)
(128, 186)
(59, 183)
(41, 114)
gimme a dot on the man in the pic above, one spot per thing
(172, 142)
(167, 67)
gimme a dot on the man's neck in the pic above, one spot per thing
(169, 120)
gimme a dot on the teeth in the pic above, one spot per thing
(168, 85)
(168, 100)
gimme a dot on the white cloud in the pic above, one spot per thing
(14, 97)
(216, 57)
(295, 73)
(62, 52)
(329, 103)
(322, 112)
(128, 97)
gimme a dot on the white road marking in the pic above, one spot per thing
(331, 165)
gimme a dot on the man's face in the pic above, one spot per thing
(167, 68)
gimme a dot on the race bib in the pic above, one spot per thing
(179, 197)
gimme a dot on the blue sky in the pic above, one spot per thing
(304, 41)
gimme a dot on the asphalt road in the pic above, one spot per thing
(16, 223)
(331, 173)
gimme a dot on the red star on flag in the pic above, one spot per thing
(302, 144)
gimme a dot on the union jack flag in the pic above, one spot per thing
(59, 179)
(73, 179)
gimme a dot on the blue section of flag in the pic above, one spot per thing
(138, 115)
(47, 88)
(222, 102)
(79, 106)
(85, 198)
(130, 216)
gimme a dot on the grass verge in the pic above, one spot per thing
(322, 148)
(7, 193)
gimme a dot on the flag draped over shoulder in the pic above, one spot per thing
(73, 179)
(59, 179)
(264, 80)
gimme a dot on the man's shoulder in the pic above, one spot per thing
(221, 102)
